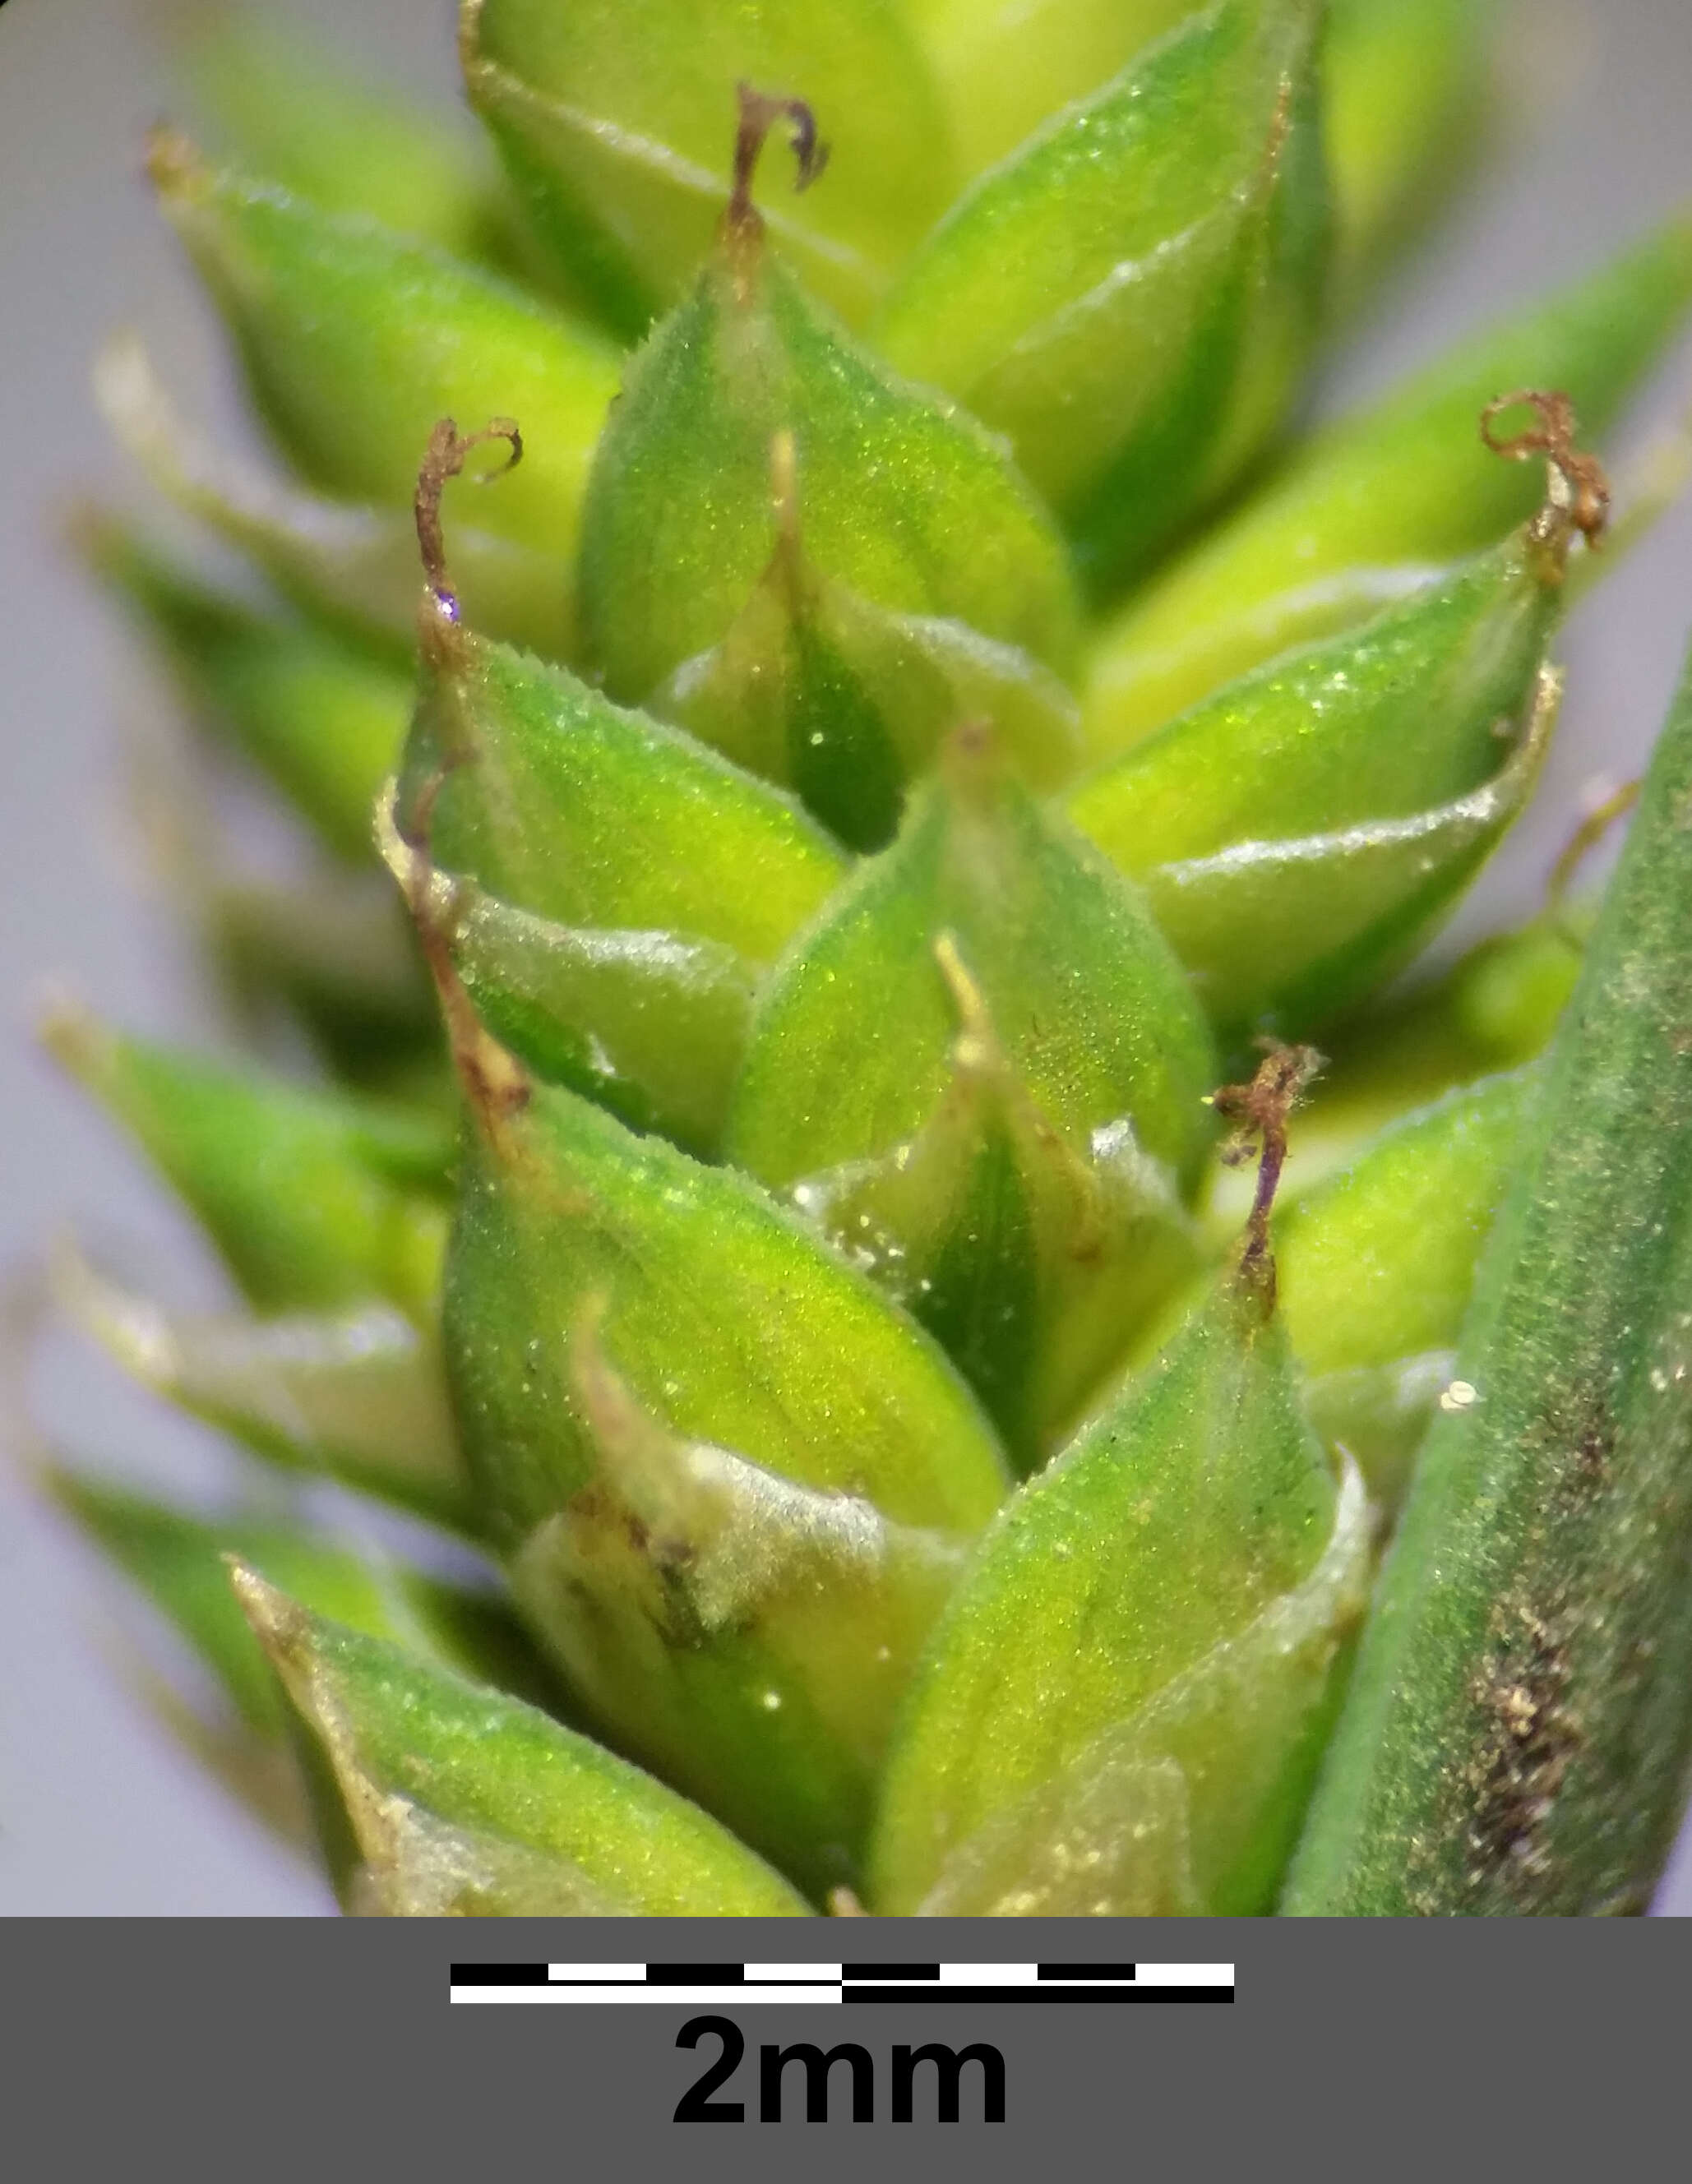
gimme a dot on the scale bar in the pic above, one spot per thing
(715, 1984)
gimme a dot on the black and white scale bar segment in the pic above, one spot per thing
(703, 1986)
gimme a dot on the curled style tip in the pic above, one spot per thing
(447, 452)
(760, 112)
(1578, 499)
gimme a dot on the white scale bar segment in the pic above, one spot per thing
(637, 1972)
(1186, 1975)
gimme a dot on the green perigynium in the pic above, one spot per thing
(837, 743)
(1130, 297)
(1373, 504)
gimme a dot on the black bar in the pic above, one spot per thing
(499, 1976)
(1087, 1971)
(695, 1975)
(1017, 1994)
(889, 1971)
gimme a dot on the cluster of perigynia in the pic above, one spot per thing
(895, 729)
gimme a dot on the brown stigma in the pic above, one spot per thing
(447, 452)
(1578, 495)
(495, 1085)
(760, 111)
(1258, 1112)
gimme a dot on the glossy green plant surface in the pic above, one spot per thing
(1293, 931)
(350, 566)
(562, 803)
(749, 1635)
(651, 1025)
(1407, 710)
(1378, 1265)
(815, 685)
(355, 341)
(652, 1239)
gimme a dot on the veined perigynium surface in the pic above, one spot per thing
(862, 794)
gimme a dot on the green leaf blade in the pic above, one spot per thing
(1517, 1733)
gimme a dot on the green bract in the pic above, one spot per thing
(605, 1011)
(647, 1234)
(562, 803)
(814, 684)
(1406, 712)
(178, 1560)
(350, 566)
(358, 1393)
(800, 824)
(284, 112)
(313, 1198)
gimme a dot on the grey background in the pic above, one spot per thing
(98, 1812)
